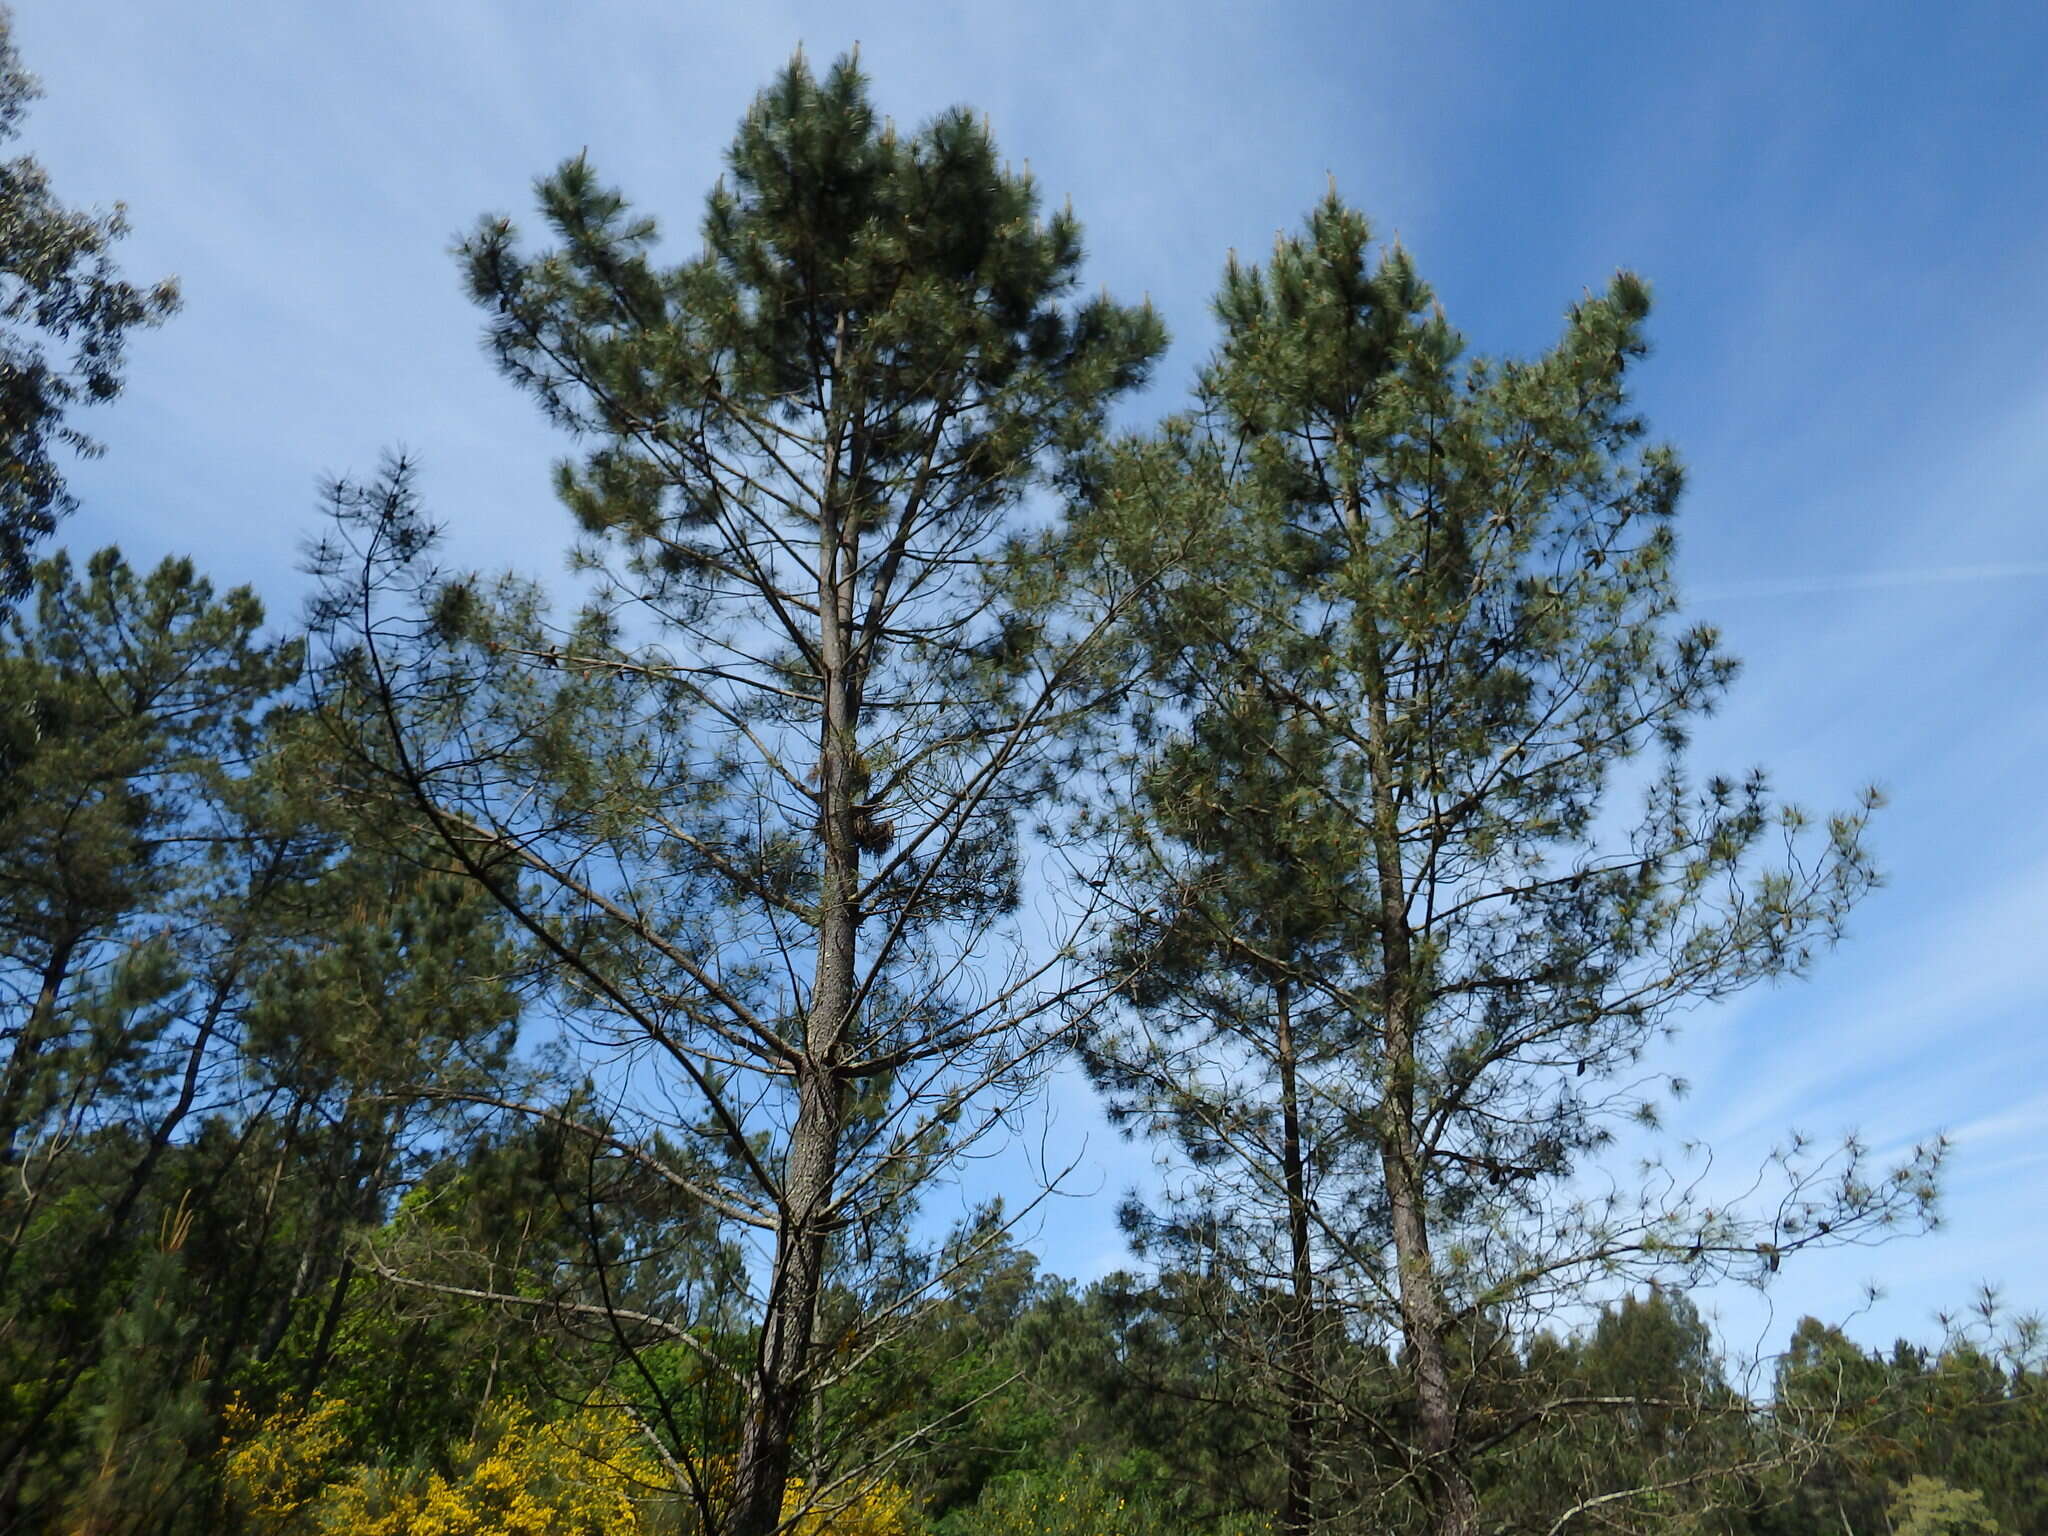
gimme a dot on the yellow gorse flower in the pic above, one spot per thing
(591, 1473)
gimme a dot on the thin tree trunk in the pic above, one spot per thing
(39, 1029)
(330, 1325)
(1424, 1319)
(767, 1438)
(1297, 1511)
(789, 1319)
(1425, 1316)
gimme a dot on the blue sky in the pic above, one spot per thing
(1843, 212)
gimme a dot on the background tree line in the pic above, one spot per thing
(476, 1065)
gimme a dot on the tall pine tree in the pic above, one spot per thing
(1432, 608)
(760, 799)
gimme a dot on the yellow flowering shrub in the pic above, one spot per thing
(586, 1475)
(277, 1467)
(589, 1474)
(878, 1509)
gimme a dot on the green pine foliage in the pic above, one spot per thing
(1390, 935)
(759, 800)
(500, 1082)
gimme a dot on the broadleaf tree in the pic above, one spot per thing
(1423, 651)
(760, 797)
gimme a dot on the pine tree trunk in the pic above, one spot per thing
(1297, 1511)
(781, 1385)
(1447, 1487)
(1425, 1316)
(768, 1437)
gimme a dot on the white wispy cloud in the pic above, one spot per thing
(1866, 581)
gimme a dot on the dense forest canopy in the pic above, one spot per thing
(481, 1061)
